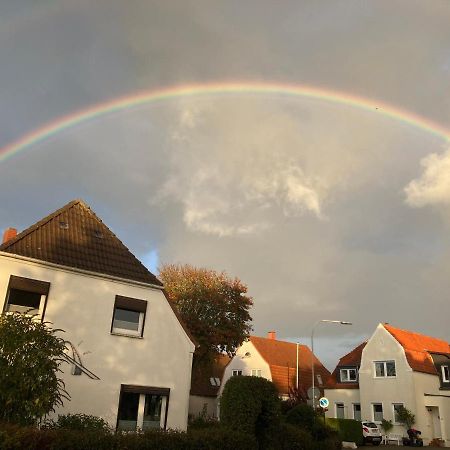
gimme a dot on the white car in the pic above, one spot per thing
(371, 433)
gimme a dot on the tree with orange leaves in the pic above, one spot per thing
(213, 306)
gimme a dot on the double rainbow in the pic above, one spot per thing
(218, 89)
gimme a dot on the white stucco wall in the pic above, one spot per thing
(426, 408)
(82, 305)
(199, 404)
(346, 396)
(246, 363)
(399, 389)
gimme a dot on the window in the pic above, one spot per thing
(445, 374)
(395, 408)
(25, 295)
(340, 411)
(357, 411)
(128, 316)
(319, 379)
(256, 372)
(142, 408)
(214, 381)
(377, 410)
(236, 373)
(348, 375)
(384, 369)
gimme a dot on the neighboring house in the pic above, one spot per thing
(395, 368)
(130, 356)
(277, 361)
(205, 386)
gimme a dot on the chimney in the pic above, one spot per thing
(8, 234)
(272, 335)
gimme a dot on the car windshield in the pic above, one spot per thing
(370, 425)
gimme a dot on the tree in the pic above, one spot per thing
(30, 356)
(406, 417)
(213, 306)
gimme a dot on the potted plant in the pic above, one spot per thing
(387, 426)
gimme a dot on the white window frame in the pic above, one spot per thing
(336, 409)
(353, 411)
(373, 412)
(40, 310)
(347, 370)
(256, 373)
(235, 373)
(384, 368)
(445, 377)
(394, 404)
(125, 331)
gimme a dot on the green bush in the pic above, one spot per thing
(348, 429)
(250, 405)
(80, 422)
(291, 437)
(301, 415)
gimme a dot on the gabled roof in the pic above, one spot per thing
(418, 348)
(202, 374)
(282, 359)
(74, 236)
(352, 359)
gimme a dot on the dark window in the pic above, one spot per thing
(152, 411)
(340, 411)
(349, 375)
(236, 373)
(129, 316)
(26, 296)
(128, 411)
(357, 411)
(377, 412)
(445, 374)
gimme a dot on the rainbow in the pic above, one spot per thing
(218, 89)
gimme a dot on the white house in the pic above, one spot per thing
(277, 361)
(129, 355)
(395, 367)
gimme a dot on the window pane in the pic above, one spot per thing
(357, 411)
(340, 413)
(126, 319)
(23, 301)
(390, 368)
(152, 411)
(377, 412)
(445, 373)
(344, 375)
(128, 411)
(396, 408)
(379, 369)
(352, 374)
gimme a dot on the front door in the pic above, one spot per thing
(435, 422)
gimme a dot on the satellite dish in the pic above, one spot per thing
(316, 393)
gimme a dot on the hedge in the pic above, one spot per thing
(251, 405)
(28, 438)
(348, 429)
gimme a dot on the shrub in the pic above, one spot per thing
(219, 437)
(387, 425)
(301, 415)
(291, 437)
(80, 422)
(250, 405)
(347, 429)
(30, 359)
(406, 417)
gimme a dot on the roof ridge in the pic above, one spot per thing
(387, 326)
(41, 223)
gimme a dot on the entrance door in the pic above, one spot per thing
(435, 422)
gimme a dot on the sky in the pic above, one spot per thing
(324, 209)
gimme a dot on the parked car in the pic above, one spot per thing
(371, 433)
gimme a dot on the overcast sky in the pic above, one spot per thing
(324, 210)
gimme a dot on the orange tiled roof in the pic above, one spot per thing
(282, 359)
(418, 348)
(350, 359)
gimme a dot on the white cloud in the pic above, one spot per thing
(433, 186)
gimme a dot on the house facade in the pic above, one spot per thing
(395, 368)
(276, 361)
(129, 357)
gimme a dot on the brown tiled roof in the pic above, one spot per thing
(350, 359)
(418, 348)
(201, 377)
(282, 359)
(74, 236)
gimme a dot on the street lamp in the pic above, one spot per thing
(339, 322)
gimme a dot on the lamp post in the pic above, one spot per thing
(339, 322)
